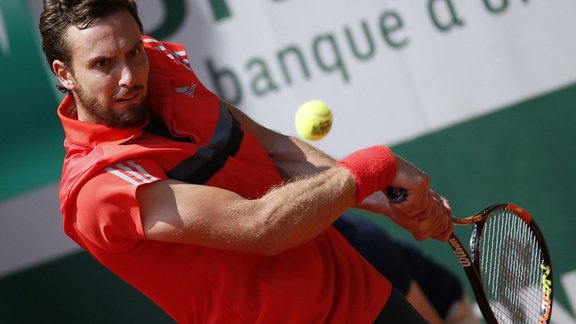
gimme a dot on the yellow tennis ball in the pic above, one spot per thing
(313, 120)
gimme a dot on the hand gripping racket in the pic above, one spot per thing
(508, 265)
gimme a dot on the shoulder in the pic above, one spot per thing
(168, 55)
(106, 209)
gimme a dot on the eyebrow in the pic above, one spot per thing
(91, 60)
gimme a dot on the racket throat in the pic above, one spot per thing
(460, 252)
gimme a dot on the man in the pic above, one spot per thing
(212, 216)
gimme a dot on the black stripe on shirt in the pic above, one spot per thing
(206, 161)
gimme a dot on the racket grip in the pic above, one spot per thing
(396, 195)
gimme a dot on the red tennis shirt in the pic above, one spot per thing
(191, 138)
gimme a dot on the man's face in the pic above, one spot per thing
(109, 71)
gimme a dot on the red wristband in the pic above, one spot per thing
(373, 168)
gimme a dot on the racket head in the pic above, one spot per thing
(511, 257)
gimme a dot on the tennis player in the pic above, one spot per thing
(214, 217)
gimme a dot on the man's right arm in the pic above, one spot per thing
(285, 217)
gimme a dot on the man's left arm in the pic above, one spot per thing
(295, 158)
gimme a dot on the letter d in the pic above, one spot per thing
(218, 76)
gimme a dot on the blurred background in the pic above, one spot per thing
(481, 94)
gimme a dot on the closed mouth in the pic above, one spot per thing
(127, 98)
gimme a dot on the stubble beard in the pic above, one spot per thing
(132, 116)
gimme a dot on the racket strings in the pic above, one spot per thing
(510, 267)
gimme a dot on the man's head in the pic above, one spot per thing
(95, 49)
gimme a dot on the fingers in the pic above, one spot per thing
(428, 216)
(443, 226)
(438, 223)
(446, 234)
(448, 225)
(424, 213)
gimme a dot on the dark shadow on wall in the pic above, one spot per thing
(74, 289)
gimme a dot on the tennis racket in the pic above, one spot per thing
(508, 265)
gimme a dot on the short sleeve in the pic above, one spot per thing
(108, 212)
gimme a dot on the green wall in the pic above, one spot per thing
(31, 138)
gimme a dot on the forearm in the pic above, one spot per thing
(300, 210)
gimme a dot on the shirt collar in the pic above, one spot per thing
(90, 134)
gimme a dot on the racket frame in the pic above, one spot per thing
(466, 262)
(470, 261)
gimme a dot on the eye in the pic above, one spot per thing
(102, 63)
(135, 52)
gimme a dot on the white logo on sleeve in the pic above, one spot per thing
(132, 172)
(187, 90)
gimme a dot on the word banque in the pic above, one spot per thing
(330, 53)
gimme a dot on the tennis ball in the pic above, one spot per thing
(313, 120)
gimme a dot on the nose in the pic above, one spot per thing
(127, 76)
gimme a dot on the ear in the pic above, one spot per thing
(64, 74)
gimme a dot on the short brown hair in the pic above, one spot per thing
(58, 15)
